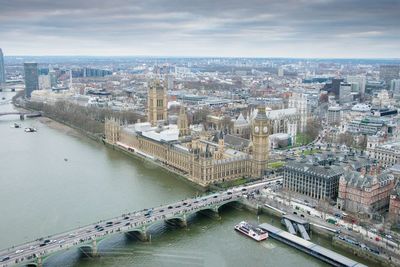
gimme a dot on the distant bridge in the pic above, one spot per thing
(22, 114)
(135, 224)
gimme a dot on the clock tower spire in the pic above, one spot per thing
(260, 134)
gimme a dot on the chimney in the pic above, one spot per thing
(373, 170)
(378, 169)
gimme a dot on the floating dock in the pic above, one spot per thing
(326, 255)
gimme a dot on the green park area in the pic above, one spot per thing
(276, 164)
(302, 139)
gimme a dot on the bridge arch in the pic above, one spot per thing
(140, 234)
(223, 205)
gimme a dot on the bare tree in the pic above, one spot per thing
(313, 128)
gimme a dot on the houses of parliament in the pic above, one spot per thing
(203, 159)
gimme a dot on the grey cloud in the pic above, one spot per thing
(250, 28)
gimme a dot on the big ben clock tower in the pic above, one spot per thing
(260, 132)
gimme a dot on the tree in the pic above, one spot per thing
(200, 115)
(314, 126)
(362, 142)
(226, 124)
(346, 139)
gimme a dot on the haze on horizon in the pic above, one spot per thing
(253, 28)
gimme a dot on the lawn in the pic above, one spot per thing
(302, 139)
(276, 164)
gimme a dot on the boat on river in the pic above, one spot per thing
(30, 130)
(251, 231)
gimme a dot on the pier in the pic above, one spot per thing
(326, 255)
(296, 225)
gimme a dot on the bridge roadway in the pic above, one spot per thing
(134, 223)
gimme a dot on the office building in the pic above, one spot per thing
(387, 154)
(44, 82)
(312, 179)
(2, 70)
(395, 86)
(334, 115)
(333, 87)
(53, 78)
(358, 84)
(31, 78)
(387, 73)
(345, 95)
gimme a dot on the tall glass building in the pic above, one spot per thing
(2, 71)
(31, 78)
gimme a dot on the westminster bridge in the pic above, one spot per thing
(135, 224)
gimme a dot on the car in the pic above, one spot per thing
(244, 189)
(42, 244)
(170, 207)
(229, 193)
(108, 225)
(196, 201)
(388, 236)
(100, 229)
(204, 199)
(72, 235)
(215, 196)
(5, 259)
(128, 223)
(161, 210)
(32, 247)
(126, 217)
(61, 241)
(19, 251)
(47, 241)
(184, 203)
(117, 222)
(178, 206)
(109, 222)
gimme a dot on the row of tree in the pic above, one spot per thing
(89, 119)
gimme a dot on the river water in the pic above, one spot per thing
(56, 179)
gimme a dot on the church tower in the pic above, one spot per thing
(260, 133)
(183, 124)
(157, 102)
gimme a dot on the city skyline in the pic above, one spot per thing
(298, 29)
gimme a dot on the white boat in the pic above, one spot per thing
(251, 231)
(16, 125)
(30, 130)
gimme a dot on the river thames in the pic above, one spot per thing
(56, 179)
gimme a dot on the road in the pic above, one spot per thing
(25, 253)
(368, 236)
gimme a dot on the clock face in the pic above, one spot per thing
(265, 129)
(256, 129)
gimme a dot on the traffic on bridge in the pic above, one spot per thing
(86, 237)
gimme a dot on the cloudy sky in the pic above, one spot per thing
(254, 28)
